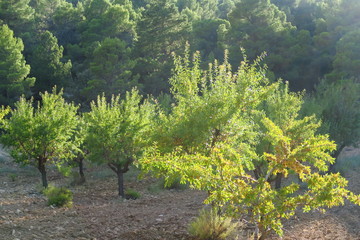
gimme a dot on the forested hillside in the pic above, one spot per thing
(94, 46)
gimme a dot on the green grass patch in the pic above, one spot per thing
(132, 194)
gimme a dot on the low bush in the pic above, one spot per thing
(212, 226)
(132, 194)
(13, 177)
(58, 197)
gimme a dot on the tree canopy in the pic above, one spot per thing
(117, 132)
(42, 134)
(14, 71)
(224, 126)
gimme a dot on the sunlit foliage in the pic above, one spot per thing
(222, 128)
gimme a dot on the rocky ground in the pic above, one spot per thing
(97, 212)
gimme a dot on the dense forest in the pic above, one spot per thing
(230, 96)
(92, 46)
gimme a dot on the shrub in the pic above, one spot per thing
(13, 177)
(132, 194)
(211, 226)
(59, 197)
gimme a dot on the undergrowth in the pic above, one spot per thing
(58, 197)
(209, 225)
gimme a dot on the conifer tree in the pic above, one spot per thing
(46, 64)
(161, 31)
(16, 14)
(14, 71)
(111, 69)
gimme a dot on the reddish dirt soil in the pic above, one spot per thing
(98, 214)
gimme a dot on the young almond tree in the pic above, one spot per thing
(230, 134)
(43, 134)
(117, 132)
(282, 108)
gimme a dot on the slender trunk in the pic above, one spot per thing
(263, 233)
(263, 237)
(42, 169)
(81, 170)
(256, 233)
(256, 173)
(120, 169)
(335, 155)
(278, 180)
(120, 176)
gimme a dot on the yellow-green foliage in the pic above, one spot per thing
(42, 134)
(211, 226)
(225, 126)
(58, 197)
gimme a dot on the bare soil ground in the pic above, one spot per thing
(98, 213)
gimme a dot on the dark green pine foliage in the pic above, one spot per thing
(199, 9)
(225, 7)
(111, 69)
(65, 22)
(14, 71)
(46, 64)
(17, 14)
(106, 19)
(347, 58)
(260, 26)
(45, 11)
(161, 31)
(106, 34)
(206, 37)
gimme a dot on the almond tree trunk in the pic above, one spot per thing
(278, 180)
(42, 169)
(120, 169)
(81, 170)
(121, 190)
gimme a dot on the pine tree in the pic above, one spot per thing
(46, 64)
(16, 14)
(111, 69)
(161, 31)
(13, 68)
